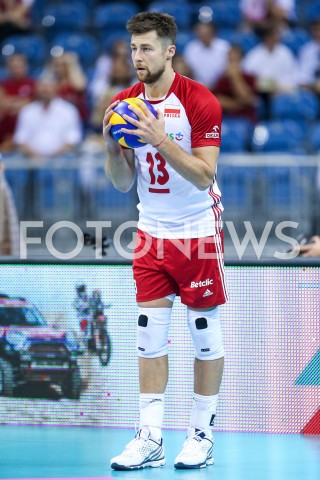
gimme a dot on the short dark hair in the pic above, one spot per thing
(267, 31)
(162, 23)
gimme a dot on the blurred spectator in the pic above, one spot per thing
(48, 126)
(236, 90)
(258, 14)
(9, 223)
(103, 68)
(120, 79)
(179, 65)
(309, 60)
(311, 249)
(71, 81)
(14, 17)
(273, 64)
(16, 90)
(206, 55)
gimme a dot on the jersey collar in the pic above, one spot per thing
(171, 89)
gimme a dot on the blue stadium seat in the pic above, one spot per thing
(85, 45)
(226, 33)
(300, 105)
(180, 11)
(37, 11)
(65, 17)
(183, 38)
(106, 196)
(3, 73)
(55, 192)
(216, 11)
(314, 138)
(34, 47)
(295, 38)
(111, 37)
(235, 135)
(312, 11)
(114, 15)
(225, 13)
(45, 190)
(284, 187)
(18, 182)
(245, 40)
(285, 136)
(237, 188)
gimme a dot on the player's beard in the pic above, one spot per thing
(151, 77)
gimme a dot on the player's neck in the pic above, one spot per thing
(159, 89)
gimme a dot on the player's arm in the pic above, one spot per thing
(198, 168)
(120, 164)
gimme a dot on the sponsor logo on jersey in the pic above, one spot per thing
(201, 283)
(175, 136)
(214, 134)
(171, 111)
(207, 293)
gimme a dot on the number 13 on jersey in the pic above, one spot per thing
(159, 175)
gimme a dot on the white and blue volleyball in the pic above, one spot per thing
(118, 122)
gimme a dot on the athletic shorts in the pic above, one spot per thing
(191, 268)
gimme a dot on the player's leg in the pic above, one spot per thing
(146, 449)
(202, 290)
(206, 333)
(154, 297)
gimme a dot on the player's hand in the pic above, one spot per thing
(149, 128)
(311, 249)
(106, 125)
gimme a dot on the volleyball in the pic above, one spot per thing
(118, 122)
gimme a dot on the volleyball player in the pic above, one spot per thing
(180, 203)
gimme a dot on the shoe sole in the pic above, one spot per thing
(153, 464)
(184, 466)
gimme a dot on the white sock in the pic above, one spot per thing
(151, 413)
(203, 411)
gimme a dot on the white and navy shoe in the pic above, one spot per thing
(197, 450)
(141, 452)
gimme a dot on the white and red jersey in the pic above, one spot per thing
(170, 206)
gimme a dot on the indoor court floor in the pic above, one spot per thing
(84, 453)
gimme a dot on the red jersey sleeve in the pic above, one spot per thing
(205, 119)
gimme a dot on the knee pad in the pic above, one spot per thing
(153, 326)
(206, 334)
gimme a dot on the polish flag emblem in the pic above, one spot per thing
(172, 111)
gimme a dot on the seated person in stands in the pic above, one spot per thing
(71, 81)
(207, 54)
(258, 14)
(14, 17)
(49, 126)
(274, 66)
(309, 60)
(236, 90)
(16, 91)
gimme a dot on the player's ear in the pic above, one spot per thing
(171, 50)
